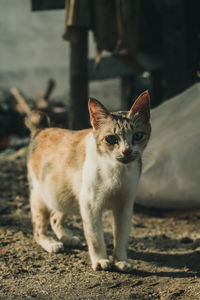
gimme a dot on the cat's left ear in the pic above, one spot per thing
(98, 113)
(141, 106)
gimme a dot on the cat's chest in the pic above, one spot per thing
(112, 176)
(108, 177)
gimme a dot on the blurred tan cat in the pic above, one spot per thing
(94, 169)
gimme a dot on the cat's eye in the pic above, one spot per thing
(137, 136)
(111, 139)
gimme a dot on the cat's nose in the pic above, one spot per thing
(127, 151)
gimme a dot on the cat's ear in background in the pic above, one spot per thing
(98, 113)
(141, 106)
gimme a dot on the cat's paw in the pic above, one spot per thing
(73, 241)
(55, 247)
(123, 265)
(102, 264)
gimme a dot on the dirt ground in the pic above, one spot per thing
(164, 246)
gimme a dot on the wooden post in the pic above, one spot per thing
(127, 91)
(156, 87)
(175, 46)
(78, 118)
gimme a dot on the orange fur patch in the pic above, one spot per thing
(62, 148)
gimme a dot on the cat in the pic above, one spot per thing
(88, 170)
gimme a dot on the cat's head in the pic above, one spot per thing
(121, 135)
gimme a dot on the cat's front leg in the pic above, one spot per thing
(92, 222)
(122, 215)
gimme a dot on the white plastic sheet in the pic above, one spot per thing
(171, 164)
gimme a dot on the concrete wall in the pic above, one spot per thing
(32, 51)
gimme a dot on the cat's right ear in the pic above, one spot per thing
(141, 106)
(98, 113)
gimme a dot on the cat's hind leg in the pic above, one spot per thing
(40, 220)
(63, 234)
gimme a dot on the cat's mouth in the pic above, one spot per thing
(128, 158)
(125, 159)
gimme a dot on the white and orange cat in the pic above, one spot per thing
(91, 169)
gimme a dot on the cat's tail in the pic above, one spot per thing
(36, 120)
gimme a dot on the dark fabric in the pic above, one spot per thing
(114, 23)
(78, 14)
